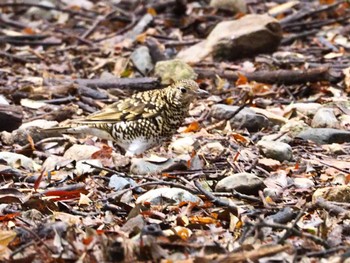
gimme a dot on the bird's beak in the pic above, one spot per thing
(201, 92)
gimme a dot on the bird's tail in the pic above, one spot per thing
(86, 129)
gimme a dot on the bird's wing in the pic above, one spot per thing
(129, 109)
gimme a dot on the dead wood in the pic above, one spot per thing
(120, 83)
(287, 77)
(10, 117)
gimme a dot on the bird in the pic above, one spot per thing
(142, 121)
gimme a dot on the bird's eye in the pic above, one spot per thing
(183, 90)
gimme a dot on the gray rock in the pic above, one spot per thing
(118, 183)
(325, 118)
(338, 193)
(276, 150)
(246, 118)
(245, 183)
(277, 137)
(304, 183)
(40, 13)
(33, 129)
(174, 70)
(142, 60)
(308, 109)
(272, 192)
(230, 5)
(247, 36)
(139, 27)
(83, 167)
(3, 100)
(16, 160)
(325, 135)
(293, 127)
(170, 196)
(141, 166)
(80, 152)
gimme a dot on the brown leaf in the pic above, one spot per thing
(193, 127)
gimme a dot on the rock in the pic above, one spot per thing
(325, 118)
(183, 145)
(9, 173)
(174, 70)
(246, 118)
(235, 6)
(142, 60)
(272, 192)
(294, 127)
(3, 100)
(212, 148)
(82, 168)
(273, 118)
(40, 13)
(334, 148)
(118, 183)
(304, 183)
(276, 150)
(269, 164)
(325, 135)
(172, 196)
(308, 109)
(139, 27)
(245, 183)
(247, 36)
(55, 162)
(16, 160)
(80, 152)
(285, 57)
(85, 4)
(334, 193)
(32, 129)
(277, 137)
(141, 166)
(10, 117)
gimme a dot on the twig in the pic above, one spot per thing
(45, 7)
(38, 238)
(287, 77)
(215, 200)
(120, 83)
(14, 57)
(289, 231)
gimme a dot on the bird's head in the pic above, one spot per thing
(184, 91)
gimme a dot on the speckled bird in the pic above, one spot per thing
(142, 121)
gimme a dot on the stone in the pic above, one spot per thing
(293, 127)
(80, 152)
(142, 60)
(308, 109)
(304, 183)
(247, 36)
(34, 129)
(325, 135)
(273, 118)
(246, 118)
(174, 70)
(325, 118)
(143, 167)
(276, 150)
(235, 6)
(172, 196)
(245, 183)
(183, 145)
(16, 160)
(118, 183)
(333, 193)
